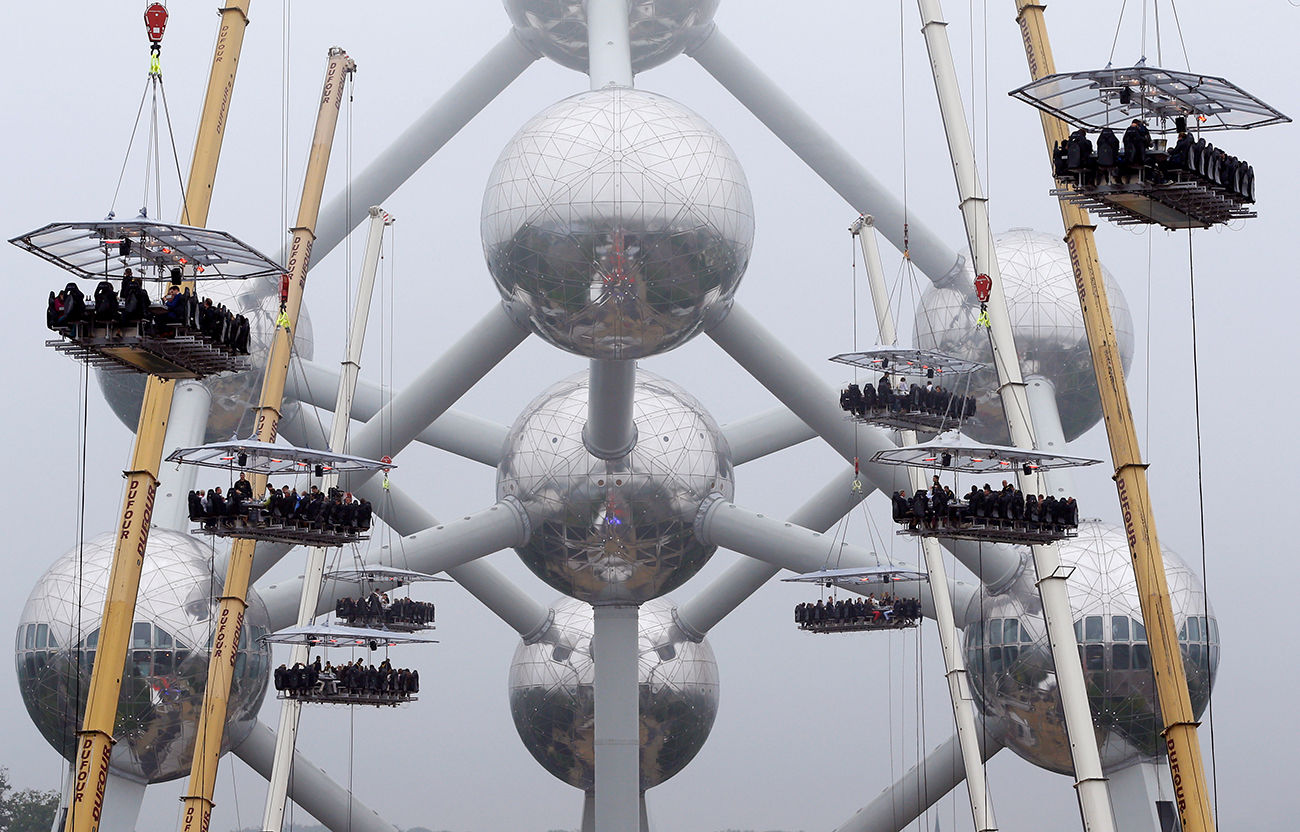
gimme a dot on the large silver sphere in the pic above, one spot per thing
(167, 666)
(1013, 676)
(660, 29)
(233, 394)
(617, 223)
(553, 707)
(1051, 341)
(621, 530)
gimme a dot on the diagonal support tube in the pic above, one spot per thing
(744, 577)
(828, 159)
(434, 128)
(756, 436)
(335, 807)
(454, 431)
(432, 392)
(774, 366)
(406, 516)
(923, 785)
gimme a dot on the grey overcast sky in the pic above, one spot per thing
(809, 729)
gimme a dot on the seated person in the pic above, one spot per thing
(54, 311)
(74, 306)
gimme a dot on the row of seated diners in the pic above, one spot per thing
(939, 508)
(858, 612)
(310, 510)
(936, 401)
(1210, 166)
(179, 312)
(377, 611)
(354, 679)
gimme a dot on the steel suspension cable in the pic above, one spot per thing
(1200, 492)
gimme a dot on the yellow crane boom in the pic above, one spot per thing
(95, 739)
(1185, 765)
(230, 618)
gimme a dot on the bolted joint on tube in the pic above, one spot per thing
(608, 454)
(685, 626)
(539, 632)
(704, 514)
(516, 508)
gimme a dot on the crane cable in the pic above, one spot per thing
(1200, 490)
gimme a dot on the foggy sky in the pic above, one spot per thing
(809, 729)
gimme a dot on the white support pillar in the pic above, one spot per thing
(286, 736)
(609, 44)
(1090, 781)
(618, 719)
(610, 432)
(743, 578)
(1051, 437)
(187, 427)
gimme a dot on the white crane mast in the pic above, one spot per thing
(1090, 781)
(287, 734)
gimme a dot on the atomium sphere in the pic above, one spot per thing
(233, 394)
(617, 224)
(1051, 341)
(1012, 673)
(620, 530)
(167, 666)
(660, 29)
(553, 706)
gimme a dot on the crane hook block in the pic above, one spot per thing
(983, 285)
(155, 21)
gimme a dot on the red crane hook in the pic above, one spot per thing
(155, 21)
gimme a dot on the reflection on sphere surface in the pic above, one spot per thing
(167, 666)
(1012, 674)
(1051, 341)
(659, 29)
(553, 707)
(615, 530)
(617, 223)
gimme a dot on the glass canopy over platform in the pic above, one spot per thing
(334, 635)
(929, 410)
(381, 574)
(908, 362)
(254, 457)
(856, 576)
(98, 250)
(1099, 98)
(953, 451)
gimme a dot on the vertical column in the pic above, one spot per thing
(610, 432)
(1051, 437)
(618, 719)
(186, 428)
(609, 44)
